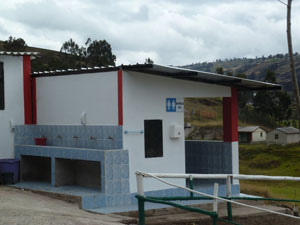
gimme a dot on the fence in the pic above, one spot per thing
(203, 196)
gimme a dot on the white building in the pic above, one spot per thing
(15, 97)
(253, 134)
(283, 136)
(104, 124)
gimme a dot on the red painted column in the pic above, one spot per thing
(27, 90)
(230, 117)
(120, 98)
(33, 93)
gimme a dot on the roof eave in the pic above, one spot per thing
(194, 75)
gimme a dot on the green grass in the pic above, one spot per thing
(271, 160)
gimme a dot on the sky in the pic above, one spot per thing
(170, 32)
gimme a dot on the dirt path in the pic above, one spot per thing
(19, 207)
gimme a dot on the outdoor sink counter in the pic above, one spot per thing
(71, 157)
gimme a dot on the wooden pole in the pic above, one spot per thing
(292, 62)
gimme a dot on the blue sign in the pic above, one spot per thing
(171, 104)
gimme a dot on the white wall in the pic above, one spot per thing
(256, 135)
(62, 99)
(282, 137)
(14, 102)
(235, 160)
(144, 97)
(293, 138)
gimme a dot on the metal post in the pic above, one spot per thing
(228, 194)
(215, 201)
(140, 184)
(141, 205)
(215, 220)
(141, 202)
(191, 186)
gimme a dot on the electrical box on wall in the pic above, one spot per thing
(176, 131)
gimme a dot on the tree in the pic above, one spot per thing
(220, 70)
(270, 77)
(244, 97)
(72, 48)
(149, 61)
(276, 103)
(99, 53)
(15, 44)
(95, 53)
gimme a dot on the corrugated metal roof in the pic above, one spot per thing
(175, 73)
(19, 53)
(81, 70)
(204, 77)
(248, 129)
(288, 130)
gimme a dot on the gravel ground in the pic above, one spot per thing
(18, 207)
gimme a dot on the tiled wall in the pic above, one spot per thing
(116, 186)
(208, 157)
(76, 136)
(117, 178)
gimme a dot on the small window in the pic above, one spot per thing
(276, 136)
(1, 86)
(153, 138)
(261, 134)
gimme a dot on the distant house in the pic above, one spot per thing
(251, 134)
(283, 136)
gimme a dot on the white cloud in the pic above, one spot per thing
(168, 31)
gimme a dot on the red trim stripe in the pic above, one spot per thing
(120, 98)
(33, 92)
(27, 90)
(230, 117)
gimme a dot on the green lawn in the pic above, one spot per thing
(271, 160)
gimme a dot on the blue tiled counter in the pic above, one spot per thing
(67, 144)
(77, 136)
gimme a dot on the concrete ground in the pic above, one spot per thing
(19, 207)
(241, 215)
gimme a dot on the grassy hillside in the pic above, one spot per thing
(272, 160)
(206, 117)
(255, 68)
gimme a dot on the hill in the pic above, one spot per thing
(205, 115)
(255, 68)
(52, 60)
(252, 68)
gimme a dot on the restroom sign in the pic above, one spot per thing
(174, 105)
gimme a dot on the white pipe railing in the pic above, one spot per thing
(219, 176)
(158, 176)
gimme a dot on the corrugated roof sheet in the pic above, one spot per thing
(81, 70)
(248, 129)
(288, 130)
(175, 73)
(204, 77)
(19, 53)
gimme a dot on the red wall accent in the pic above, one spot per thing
(230, 117)
(120, 98)
(33, 92)
(27, 90)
